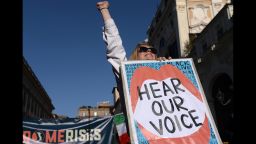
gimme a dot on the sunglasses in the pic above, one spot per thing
(144, 49)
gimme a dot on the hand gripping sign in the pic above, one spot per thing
(165, 103)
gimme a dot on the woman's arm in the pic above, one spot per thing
(115, 50)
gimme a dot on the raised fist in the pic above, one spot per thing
(102, 4)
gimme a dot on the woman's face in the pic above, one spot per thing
(146, 53)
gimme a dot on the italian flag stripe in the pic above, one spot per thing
(124, 139)
(119, 118)
(121, 129)
(119, 121)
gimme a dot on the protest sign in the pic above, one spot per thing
(165, 103)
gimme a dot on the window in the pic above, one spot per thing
(204, 46)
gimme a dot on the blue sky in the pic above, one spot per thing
(62, 42)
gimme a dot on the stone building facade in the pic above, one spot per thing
(176, 22)
(35, 101)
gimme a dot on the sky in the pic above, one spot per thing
(63, 44)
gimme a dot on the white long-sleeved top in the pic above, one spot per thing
(115, 50)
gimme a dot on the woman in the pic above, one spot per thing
(116, 52)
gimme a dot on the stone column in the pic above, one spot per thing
(182, 25)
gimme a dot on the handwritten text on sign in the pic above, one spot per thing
(167, 108)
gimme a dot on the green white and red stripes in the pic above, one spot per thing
(119, 121)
